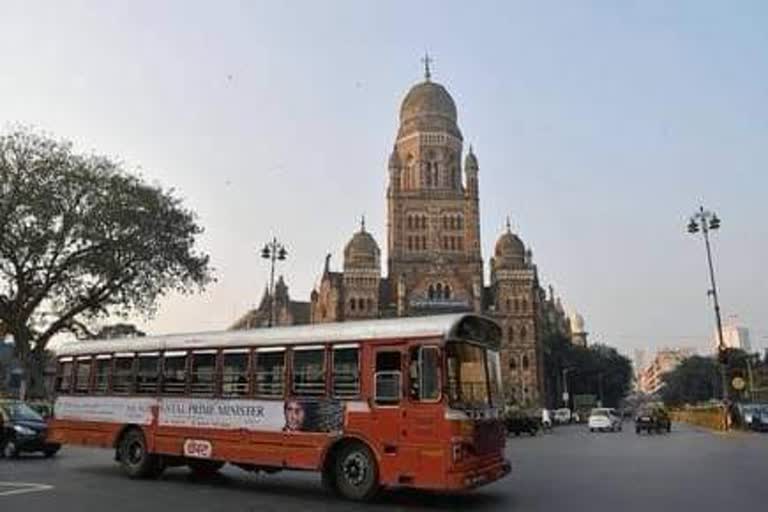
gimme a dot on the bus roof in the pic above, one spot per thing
(462, 326)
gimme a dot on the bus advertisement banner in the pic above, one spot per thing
(299, 415)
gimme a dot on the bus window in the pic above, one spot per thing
(64, 379)
(203, 373)
(122, 378)
(175, 373)
(101, 379)
(423, 374)
(270, 372)
(309, 371)
(148, 373)
(388, 378)
(346, 371)
(234, 373)
(83, 375)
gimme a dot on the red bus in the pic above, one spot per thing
(409, 402)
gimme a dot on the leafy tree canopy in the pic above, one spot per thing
(80, 238)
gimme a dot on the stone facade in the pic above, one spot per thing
(434, 261)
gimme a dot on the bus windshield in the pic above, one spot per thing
(474, 376)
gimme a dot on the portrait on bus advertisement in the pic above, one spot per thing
(313, 415)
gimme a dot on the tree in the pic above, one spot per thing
(597, 370)
(696, 379)
(80, 239)
(120, 330)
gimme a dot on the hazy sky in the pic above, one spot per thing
(599, 127)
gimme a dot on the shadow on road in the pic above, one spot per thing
(306, 487)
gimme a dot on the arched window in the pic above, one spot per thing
(459, 222)
(423, 222)
(525, 305)
(423, 243)
(453, 222)
(523, 333)
(513, 362)
(352, 304)
(360, 304)
(517, 305)
(439, 291)
(447, 291)
(370, 304)
(410, 222)
(511, 334)
(445, 222)
(453, 243)
(509, 305)
(431, 292)
(460, 243)
(525, 362)
(410, 243)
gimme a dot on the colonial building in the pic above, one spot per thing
(434, 262)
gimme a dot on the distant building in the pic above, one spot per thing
(735, 336)
(578, 332)
(650, 378)
(286, 311)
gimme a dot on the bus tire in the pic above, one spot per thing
(204, 468)
(136, 461)
(356, 472)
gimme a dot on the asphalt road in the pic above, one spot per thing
(569, 469)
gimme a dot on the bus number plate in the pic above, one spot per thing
(198, 448)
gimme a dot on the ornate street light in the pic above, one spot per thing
(273, 251)
(705, 221)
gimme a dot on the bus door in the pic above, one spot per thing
(423, 416)
(387, 410)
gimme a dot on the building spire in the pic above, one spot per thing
(509, 225)
(362, 223)
(426, 60)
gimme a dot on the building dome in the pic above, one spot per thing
(362, 251)
(470, 162)
(428, 107)
(509, 247)
(577, 323)
(428, 98)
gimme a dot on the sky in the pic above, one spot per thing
(599, 128)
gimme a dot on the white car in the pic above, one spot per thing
(562, 415)
(603, 419)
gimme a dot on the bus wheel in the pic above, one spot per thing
(205, 468)
(357, 476)
(137, 462)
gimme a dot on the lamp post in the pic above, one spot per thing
(705, 221)
(273, 251)
(566, 396)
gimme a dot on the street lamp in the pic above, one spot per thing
(566, 396)
(273, 251)
(704, 221)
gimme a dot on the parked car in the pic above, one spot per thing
(760, 419)
(603, 419)
(563, 416)
(652, 419)
(22, 429)
(519, 422)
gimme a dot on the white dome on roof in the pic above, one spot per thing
(577, 322)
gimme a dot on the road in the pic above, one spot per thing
(569, 469)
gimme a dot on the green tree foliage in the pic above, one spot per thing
(81, 239)
(598, 370)
(696, 379)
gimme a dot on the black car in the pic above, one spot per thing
(653, 419)
(518, 423)
(23, 430)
